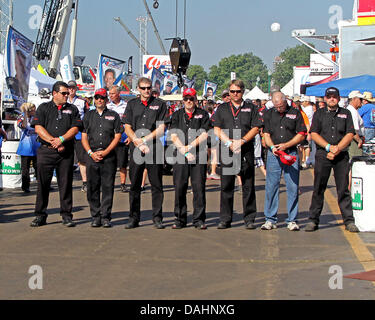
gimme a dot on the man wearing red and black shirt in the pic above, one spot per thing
(236, 124)
(144, 119)
(188, 129)
(56, 123)
(283, 130)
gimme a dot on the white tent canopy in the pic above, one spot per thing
(256, 93)
(288, 89)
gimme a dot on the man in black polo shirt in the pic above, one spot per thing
(56, 123)
(144, 123)
(236, 124)
(283, 130)
(188, 130)
(100, 136)
(332, 130)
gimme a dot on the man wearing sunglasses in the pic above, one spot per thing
(236, 124)
(188, 129)
(56, 123)
(332, 130)
(100, 136)
(144, 119)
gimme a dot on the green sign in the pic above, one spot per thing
(357, 193)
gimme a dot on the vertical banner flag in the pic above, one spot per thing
(110, 72)
(130, 65)
(188, 83)
(18, 65)
(209, 89)
(66, 69)
(170, 84)
(157, 79)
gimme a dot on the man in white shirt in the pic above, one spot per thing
(122, 149)
(355, 102)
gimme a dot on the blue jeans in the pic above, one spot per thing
(291, 176)
(369, 134)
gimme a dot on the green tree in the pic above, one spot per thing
(199, 74)
(247, 67)
(290, 57)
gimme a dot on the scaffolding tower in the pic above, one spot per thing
(142, 40)
(6, 19)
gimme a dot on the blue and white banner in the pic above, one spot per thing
(66, 69)
(209, 89)
(17, 61)
(110, 72)
(170, 84)
(157, 79)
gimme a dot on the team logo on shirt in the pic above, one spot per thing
(344, 116)
(291, 116)
(109, 117)
(199, 116)
(67, 111)
(246, 110)
(154, 107)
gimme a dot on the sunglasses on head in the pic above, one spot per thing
(65, 93)
(97, 97)
(235, 91)
(189, 99)
(145, 88)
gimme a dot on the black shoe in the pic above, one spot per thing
(96, 223)
(200, 225)
(223, 225)
(311, 226)
(84, 187)
(68, 222)
(250, 226)
(351, 227)
(123, 188)
(106, 223)
(178, 225)
(143, 189)
(38, 222)
(132, 225)
(158, 225)
(26, 190)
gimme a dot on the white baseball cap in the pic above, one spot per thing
(356, 94)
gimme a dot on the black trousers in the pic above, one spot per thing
(101, 175)
(322, 171)
(25, 170)
(49, 160)
(155, 175)
(197, 173)
(246, 173)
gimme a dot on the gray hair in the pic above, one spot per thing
(278, 96)
(118, 89)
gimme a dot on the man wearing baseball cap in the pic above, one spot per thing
(332, 130)
(284, 129)
(100, 136)
(367, 112)
(192, 123)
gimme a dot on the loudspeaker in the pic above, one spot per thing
(180, 55)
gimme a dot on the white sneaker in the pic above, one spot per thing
(304, 165)
(292, 226)
(268, 226)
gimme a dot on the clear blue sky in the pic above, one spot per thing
(214, 28)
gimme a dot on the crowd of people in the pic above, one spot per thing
(206, 139)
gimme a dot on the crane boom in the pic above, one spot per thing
(155, 28)
(130, 34)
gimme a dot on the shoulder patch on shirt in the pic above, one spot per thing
(344, 116)
(291, 116)
(109, 117)
(154, 107)
(246, 110)
(67, 111)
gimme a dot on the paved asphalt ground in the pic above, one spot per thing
(145, 263)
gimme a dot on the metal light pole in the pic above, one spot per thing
(269, 81)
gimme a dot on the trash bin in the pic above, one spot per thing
(362, 192)
(10, 175)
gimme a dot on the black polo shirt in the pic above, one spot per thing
(191, 127)
(57, 122)
(101, 129)
(244, 118)
(141, 117)
(332, 125)
(283, 127)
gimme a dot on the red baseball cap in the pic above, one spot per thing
(286, 158)
(189, 92)
(101, 92)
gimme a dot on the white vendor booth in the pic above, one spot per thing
(362, 191)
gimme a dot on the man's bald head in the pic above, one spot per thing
(279, 101)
